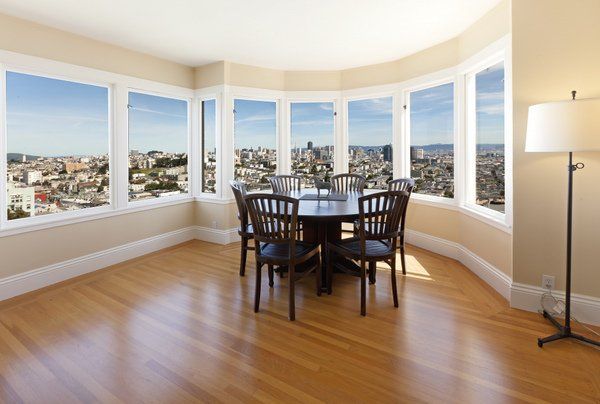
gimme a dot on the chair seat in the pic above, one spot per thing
(373, 248)
(280, 252)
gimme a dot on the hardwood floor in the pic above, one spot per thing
(178, 326)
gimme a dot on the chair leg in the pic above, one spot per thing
(244, 253)
(257, 289)
(329, 272)
(271, 271)
(292, 283)
(372, 272)
(402, 259)
(363, 288)
(318, 274)
(394, 286)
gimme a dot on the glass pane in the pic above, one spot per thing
(209, 150)
(255, 139)
(370, 132)
(489, 164)
(312, 136)
(58, 144)
(432, 140)
(158, 141)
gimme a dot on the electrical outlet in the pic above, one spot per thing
(214, 225)
(548, 282)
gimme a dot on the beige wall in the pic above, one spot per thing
(29, 38)
(556, 49)
(36, 249)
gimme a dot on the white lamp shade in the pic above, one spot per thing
(566, 126)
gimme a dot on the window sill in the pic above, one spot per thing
(492, 218)
(68, 218)
(207, 198)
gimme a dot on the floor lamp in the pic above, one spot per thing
(568, 126)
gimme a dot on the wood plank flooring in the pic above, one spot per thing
(178, 326)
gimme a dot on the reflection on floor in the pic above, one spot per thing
(178, 326)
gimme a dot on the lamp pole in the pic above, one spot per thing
(564, 331)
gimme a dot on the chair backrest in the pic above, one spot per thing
(348, 183)
(285, 183)
(402, 184)
(274, 218)
(381, 213)
(239, 192)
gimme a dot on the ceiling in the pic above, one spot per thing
(279, 34)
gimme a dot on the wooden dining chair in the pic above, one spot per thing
(285, 183)
(275, 223)
(401, 184)
(345, 183)
(380, 213)
(245, 229)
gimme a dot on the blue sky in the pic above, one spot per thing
(48, 117)
(208, 117)
(370, 122)
(432, 115)
(489, 86)
(255, 124)
(157, 123)
(311, 121)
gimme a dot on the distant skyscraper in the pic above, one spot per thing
(24, 158)
(387, 152)
(309, 146)
(416, 154)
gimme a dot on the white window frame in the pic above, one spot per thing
(499, 52)
(200, 136)
(118, 154)
(182, 196)
(60, 216)
(431, 81)
(261, 96)
(308, 97)
(395, 128)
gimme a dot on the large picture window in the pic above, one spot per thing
(209, 149)
(57, 146)
(158, 146)
(489, 142)
(255, 139)
(370, 135)
(312, 140)
(431, 123)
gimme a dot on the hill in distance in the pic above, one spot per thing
(19, 157)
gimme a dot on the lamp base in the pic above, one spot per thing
(563, 332)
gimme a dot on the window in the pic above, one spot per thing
(431, 132)
(158, 144)
(370, 134)
(209, 150)
(489, 138)
(312, 138)
(255, 142)
(57, 146)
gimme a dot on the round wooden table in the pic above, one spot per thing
(322, 220)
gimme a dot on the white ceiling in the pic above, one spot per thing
(280, 34)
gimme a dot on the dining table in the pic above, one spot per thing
(322, 218)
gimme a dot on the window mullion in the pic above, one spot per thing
(120, 147)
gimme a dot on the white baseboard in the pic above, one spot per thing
(584, 308)
(38, 278)
(216, 236)
(480, 267)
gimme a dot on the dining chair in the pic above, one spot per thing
(285, 183)
(401, 184)
(345, 183)
(275, 223)
(380, 213)
(245, 229)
